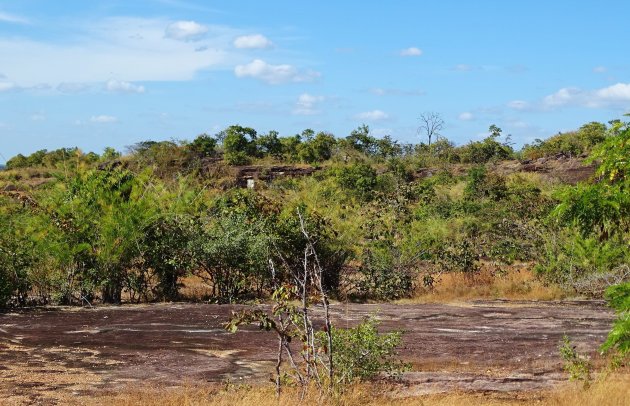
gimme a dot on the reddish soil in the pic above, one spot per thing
(487, 346)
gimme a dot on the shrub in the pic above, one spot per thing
(484, 185)
(385, 275)
(480, 152)
(362, 353)
(359, 178)
(618, 340)
(578, 366)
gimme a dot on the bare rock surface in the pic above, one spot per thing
(501, 346)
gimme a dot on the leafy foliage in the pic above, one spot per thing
(618, 340)
(577, 365)
(362, 353)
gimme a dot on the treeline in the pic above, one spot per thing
(118, 228)
(241, 145)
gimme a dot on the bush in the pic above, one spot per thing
(480, 152)
(484, 185)
(362, 353)
(571, 143)
(359, 178)
(577, 365)
(618, 340)
(584, 264)
(384, 274)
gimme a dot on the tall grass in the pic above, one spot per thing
(615, 391)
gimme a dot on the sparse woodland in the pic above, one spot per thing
(242, 216)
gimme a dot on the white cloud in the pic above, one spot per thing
(255, 41)
(12, 18)
(518, 105)
(6, 86)
(186, 31)
(118, 86)
(374, 115)
(600, 69)
(130, 49)
(462, 67)
(413, 51)
(307, 105)
(617, 92)
(379, 91)
(70, 87)
(562, 97)
(103, 119)
(616, 96)
(274, 74)
(466, 116)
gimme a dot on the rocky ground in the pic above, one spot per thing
(52, 353)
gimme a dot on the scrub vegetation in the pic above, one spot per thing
(311, 218)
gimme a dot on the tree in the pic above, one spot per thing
(109, 154)
(431, 125)
(239, 144)
(270, 144)
(203, 146)
(361, 140)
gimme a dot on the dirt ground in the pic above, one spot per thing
(47, 355)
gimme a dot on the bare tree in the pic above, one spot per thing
(431, 125)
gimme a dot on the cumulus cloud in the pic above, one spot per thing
(374, 115)
(103, 119)
(466, 116)
(186, 31)
(12, 18)
(616, 96)
(617, 92)
(562, 97)
(412, 51)
(274, 74)
(118, 86)
(307, 105)
(255, 41)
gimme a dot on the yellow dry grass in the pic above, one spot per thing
(515, 284)
(614, 391)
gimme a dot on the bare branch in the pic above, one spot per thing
(431, 125)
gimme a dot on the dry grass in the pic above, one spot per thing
(517, 283)
(615, 391)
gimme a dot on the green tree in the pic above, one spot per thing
(239, 144)
(270, 144)
(203, 146)
(361, 140)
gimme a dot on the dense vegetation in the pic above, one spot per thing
(388, 219)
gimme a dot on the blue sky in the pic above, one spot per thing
(111, 73)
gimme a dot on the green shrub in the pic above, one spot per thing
(577, 365)
(385, 275)
(359, 178)
(618, 340)
(484, 185)
(362, 353)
